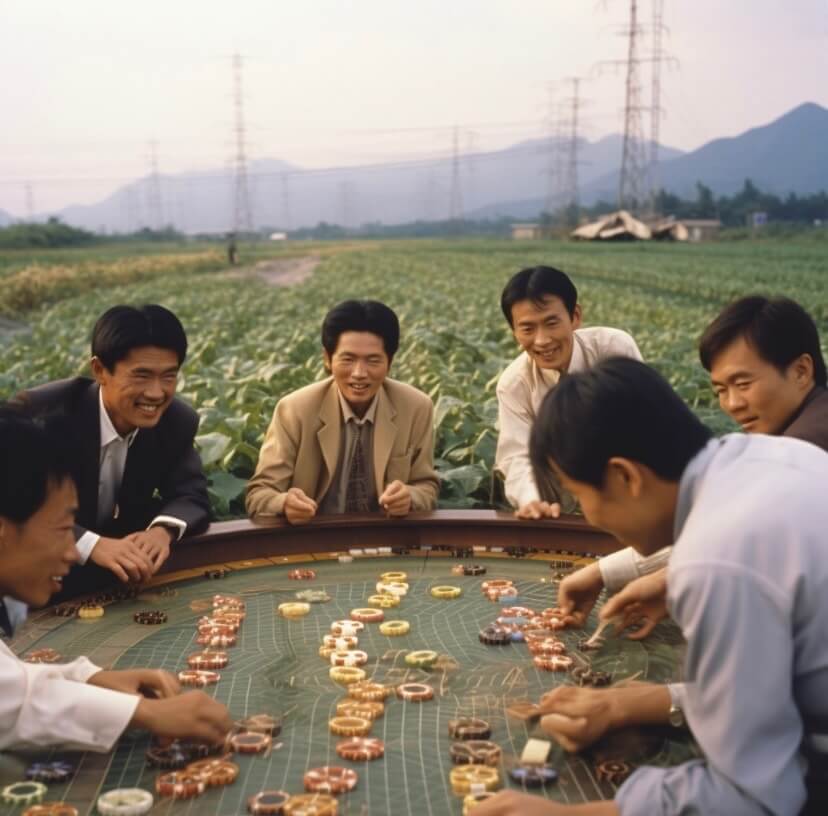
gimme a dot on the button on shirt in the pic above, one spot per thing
(334, 500)
(520, 392)
(746, 583)
(112, 463)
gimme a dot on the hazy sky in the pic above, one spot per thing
(87, 84)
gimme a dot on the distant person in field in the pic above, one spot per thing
(140, 484)
(767, 369)
(358, 441)
(542, 309)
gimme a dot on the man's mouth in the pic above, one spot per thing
(150, 409)
(359, 388)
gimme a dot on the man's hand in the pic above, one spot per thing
(396, 499)
(299, 507)
(152, 683)
(123, 557)
(155, 542)
(193, 715)
(576, 717)
(538, 510)
(643, 600)
(578, 592)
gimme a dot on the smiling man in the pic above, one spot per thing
(140, 481)
(541, 306)
(75, 704)
(356, 442)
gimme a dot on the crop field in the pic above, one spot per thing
(251, 343)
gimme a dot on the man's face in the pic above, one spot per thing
(755, 393)
(140, 389)
(36, 555)
(359, 366)
(546, 331)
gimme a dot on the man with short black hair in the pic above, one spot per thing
(767, 369)
(76, 704)
(354, 443)
(745, 583)
(541, 306)
(140, 481)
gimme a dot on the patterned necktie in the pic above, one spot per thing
(357, 495)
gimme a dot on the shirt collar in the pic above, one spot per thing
(815, 392)
(348, 413)
(108, 432)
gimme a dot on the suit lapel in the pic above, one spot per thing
(385, 431)
(89, 434)
(329, 434)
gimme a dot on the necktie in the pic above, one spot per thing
(109, 482)
(357, 494)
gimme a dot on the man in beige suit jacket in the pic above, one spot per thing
(307, 464)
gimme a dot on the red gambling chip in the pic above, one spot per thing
(330, 779)
(198, 678)
(360, 749)
(302, 574)
(250, 742)
(208, 660)
(179, 786)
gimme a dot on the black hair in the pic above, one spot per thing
(123, 328)
(536, 283)
(779, 329)
(361, 316)
(621, 407)
(33, 456)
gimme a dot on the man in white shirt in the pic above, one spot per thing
(139, 478)
(746, 515)
(541, 306)
(75, 704)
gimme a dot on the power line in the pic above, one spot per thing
(242, 216)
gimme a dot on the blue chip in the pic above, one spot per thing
(534, 776)
(56, 771)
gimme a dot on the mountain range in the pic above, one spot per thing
(784, 156)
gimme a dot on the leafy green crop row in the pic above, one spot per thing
(251, 343)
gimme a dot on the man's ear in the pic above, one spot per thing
(625, 476)
(326, 360)
(576, 316)
(99, 370)
(802, 369)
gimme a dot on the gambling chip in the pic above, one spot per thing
(198, 677)
(261, 724)
(150, 617)
(370, 710)
(51, 809)
(555, 663)
(613, 771)
(475, 752)
(250, 743)
(367, 615)
(23, 793)
(446, 592)
(349, 657)
(346, 675)
(415, 692)
(208, 660)
(214, 772)
(350, 726)
(394, 628)
(50, 772)
(383, 601)
(466, 778)
(346, 627)
(330, 779)
(268, 803)
(302, 574)
(469, 728)
(495, 636)
(293, 610)
(125, 802)
(360, 749)
(169, 758)
(341, 642)
(394, 577)
(66, 610)
(313, 596)
(311, 804)
(367, 691)
(178, 785)
(42, 656)
(534, 776)
(474, 569)
(90, 611)
(422, 659)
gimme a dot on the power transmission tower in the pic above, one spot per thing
(154, 203)
(456, 194)
(655, 101)
(242, 216)
(553, 177)
(471, 149)
(571, 192)
(29, 202)
(285, 201)
(633, 160)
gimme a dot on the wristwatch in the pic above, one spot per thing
(676, 716)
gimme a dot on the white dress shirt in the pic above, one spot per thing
(112, 463)
(520, 392)
(746, 583)
(51, 704)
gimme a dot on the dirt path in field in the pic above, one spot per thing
(280, 272)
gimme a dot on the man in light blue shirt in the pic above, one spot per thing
(746, 582)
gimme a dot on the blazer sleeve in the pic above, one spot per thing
(184, 485)
(274, 474)
(423, 482)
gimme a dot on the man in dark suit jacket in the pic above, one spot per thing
(140, 481)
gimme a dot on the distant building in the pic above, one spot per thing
(523, 232)
(702, 229)
(278, 236)
(617, 226)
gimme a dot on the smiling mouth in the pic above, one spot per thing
(358, 388)
(148, 408)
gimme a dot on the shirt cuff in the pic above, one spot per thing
(677, 694)
(624, 566)
(169, 521)
(85, 544)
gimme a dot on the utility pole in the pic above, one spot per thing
(471, 149)
(242, 216)
(553, 179)
(285, 201)
(154, 202)
(633, 162)
(456, 194)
